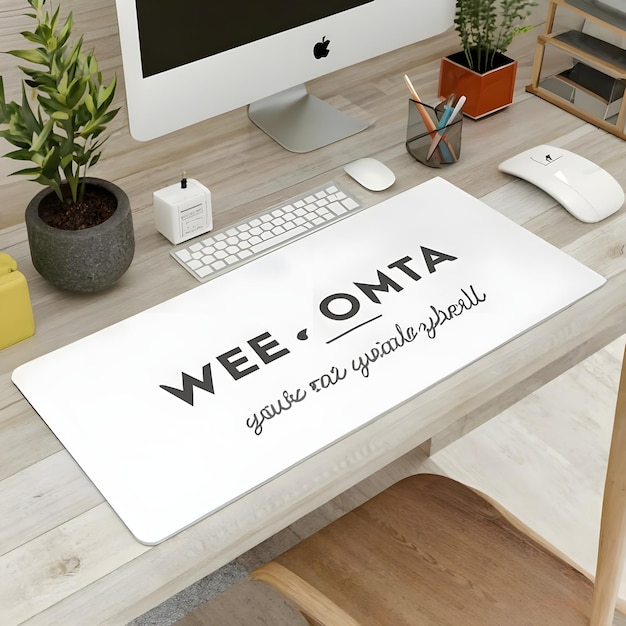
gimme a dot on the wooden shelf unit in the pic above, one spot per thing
(598, 69)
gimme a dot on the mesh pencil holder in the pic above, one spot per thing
(429, 140)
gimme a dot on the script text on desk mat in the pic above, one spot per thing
(181, 409)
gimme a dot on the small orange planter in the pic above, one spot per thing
(486, 93)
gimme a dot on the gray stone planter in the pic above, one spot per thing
(82, 260)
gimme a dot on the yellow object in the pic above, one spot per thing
(16, 312)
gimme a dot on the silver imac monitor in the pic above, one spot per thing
(189, 60)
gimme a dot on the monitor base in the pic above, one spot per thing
(300, 122)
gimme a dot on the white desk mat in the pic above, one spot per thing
(276, 360)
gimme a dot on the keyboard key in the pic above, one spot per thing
(205, 271)
(184, 255)
(337, 208)
(264, 245)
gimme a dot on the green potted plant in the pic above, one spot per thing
(80, 229)
(481, 71)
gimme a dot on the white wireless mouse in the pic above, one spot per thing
(586, 190)
(370, 173)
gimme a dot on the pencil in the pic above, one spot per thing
(430, 125)
(428, 122)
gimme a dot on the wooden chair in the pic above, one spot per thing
(429, 550)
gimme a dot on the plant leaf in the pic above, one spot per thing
(35, 55)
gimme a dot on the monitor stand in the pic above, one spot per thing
(301, 122)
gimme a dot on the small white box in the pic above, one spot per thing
(183, 211)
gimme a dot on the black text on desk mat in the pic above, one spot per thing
(181, 409)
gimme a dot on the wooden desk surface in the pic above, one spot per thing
(65, 558)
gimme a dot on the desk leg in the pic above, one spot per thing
(612, 547)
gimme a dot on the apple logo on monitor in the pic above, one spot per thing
(320, 49)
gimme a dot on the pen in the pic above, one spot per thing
(457, 109)
(447, 118)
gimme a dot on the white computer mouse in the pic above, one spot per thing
(370, 173)
(586, 190)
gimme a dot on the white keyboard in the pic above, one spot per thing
(223, 250)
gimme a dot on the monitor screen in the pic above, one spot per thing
(169, 39)
(189, 60)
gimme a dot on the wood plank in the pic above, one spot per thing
(33, 502)
(63, 561)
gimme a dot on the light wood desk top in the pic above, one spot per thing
(65, 557)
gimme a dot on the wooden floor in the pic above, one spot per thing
(544, 459)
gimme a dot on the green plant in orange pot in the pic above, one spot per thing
(481, 71)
